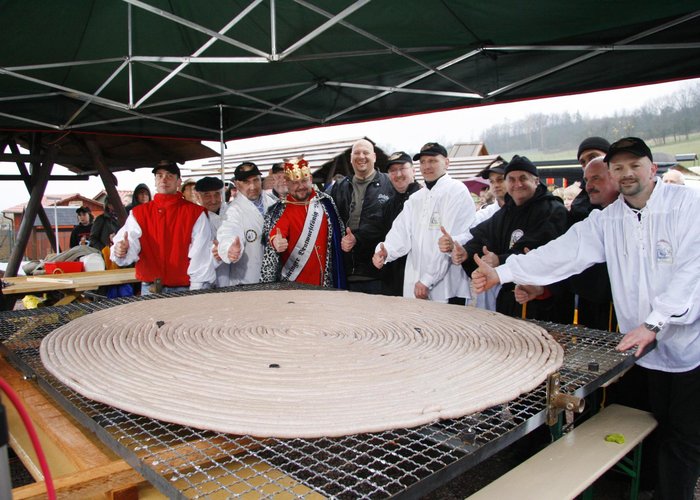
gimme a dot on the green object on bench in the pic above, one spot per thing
(615, 438)
(567, 467)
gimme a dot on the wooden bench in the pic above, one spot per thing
(565, 468)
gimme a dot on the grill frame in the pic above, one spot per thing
(183, 462)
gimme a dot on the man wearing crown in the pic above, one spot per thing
(303, 233)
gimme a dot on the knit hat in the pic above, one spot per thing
(597, 143)
(521, 163)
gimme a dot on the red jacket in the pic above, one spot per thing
(166, 225)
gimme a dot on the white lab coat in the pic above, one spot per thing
(415, 233)
(245, 221)
(223, 269)
(653, 266)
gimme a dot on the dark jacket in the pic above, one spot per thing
(514, 228)
(78, 232)
(392, 274)
(592, 288)
(134, 199)
(358, 262)
(580, 207)
(102, 227)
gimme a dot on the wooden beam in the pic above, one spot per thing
(25, 228)
(91, 483)
(55, 425)
(28, 184)
(108, 179)
(76, 177)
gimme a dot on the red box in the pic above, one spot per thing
(63, 267)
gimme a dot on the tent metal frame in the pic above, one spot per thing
(143, 107)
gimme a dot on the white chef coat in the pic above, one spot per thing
(415, 233)
(243, 219)
(653, 266)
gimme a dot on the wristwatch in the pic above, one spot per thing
(652, 328)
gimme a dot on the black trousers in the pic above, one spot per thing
(675, 402)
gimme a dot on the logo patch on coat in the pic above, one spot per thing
(515, 236)
(251, 235)
(382, 198)
(434, 220)
(664, 252)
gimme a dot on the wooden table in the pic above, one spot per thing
(81, 466)
(71, 284)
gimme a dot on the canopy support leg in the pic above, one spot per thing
(41, 174)
(108, 179)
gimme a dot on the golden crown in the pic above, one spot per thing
(297, 169)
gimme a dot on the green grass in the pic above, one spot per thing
(691, 145)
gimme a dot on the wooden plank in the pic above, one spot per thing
(584, 451)
(91, 483)
(77, 282)
(55, 426)
(48, 279)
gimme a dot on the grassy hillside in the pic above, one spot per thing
(692, 145)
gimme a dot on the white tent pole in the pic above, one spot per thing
(221, 149)
(55, 225)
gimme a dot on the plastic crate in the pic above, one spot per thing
(63, 267)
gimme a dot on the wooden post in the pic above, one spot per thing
(108, 179)
(25, 228)
(41, 212)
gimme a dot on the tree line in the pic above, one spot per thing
(669, 118)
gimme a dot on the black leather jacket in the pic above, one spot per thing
(358, 262)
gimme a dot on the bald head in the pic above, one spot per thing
(600, 187)
(363, 158)
(674, 177)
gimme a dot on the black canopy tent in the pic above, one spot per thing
(226, 69)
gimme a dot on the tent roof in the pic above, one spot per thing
(171, 68)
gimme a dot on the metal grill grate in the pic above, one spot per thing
(183, 462)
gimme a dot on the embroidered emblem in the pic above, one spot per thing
(434, 220)
(383, 198)
(664, 252)
(515, 236)
(251, 235)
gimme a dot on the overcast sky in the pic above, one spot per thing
(407, 134)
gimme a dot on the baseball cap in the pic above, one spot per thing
(83, 210)
(398, 157)
(208, 184)
(497, 166)
(169, 166)
(633, 145)
(431, 149)
(245, 170)
(277, 168)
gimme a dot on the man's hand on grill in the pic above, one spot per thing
(122, 246)
(639, 337)
(485, 277)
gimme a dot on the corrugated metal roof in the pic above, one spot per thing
(317, 154)
(66, 216)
